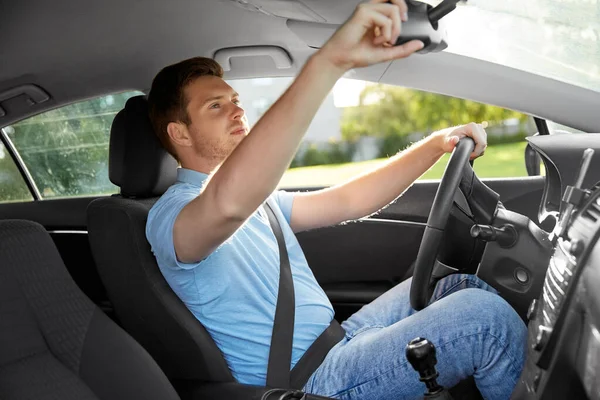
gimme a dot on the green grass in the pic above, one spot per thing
(502, 160)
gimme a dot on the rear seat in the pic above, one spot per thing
(54, 342)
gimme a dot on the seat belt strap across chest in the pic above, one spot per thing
(280, 353)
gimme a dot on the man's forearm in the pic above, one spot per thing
(370, 192)
(255, 167)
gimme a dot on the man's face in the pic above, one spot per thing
(218, 123)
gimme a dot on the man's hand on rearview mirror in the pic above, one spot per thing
(367, 37)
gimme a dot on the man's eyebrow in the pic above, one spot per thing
(208, 100)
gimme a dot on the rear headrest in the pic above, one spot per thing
(138, 163)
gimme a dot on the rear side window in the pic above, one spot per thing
(66, 150)
(12, 185)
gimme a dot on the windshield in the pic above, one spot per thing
(558, 39)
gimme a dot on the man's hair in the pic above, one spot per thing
(167, 101)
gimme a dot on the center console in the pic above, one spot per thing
(563, 360)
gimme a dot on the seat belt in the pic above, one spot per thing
(280, 353)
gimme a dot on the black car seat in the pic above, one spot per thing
(143, 301)
(54, 342)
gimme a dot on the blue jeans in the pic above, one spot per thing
(474, 330)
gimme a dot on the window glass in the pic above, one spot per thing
(360, 124)
(12, 186)
(557, 39)
(66, 150)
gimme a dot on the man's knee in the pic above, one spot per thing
(491, 326)
(492, 312)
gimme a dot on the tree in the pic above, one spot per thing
(12, 185)
(391, 113)
(382, 111)
(66, 150)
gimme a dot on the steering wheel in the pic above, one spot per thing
(423, 281)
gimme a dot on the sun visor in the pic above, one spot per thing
(312, 33)
(290, 9)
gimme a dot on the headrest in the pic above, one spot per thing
(138, 163)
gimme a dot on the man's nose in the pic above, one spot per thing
(238, 112)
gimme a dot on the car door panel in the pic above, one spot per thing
(358, 261)
(365, 250)
(521, 195)
(55, 214)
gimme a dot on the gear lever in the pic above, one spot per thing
(420, 353)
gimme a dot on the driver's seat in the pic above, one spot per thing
(143, 301)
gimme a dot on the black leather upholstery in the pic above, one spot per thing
(138, 163)
(54, 342)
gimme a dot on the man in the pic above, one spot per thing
(214, 245)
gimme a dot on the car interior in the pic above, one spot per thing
(86, 313)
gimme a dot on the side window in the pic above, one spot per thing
(12, 186)
(361, 124)
(66, 150)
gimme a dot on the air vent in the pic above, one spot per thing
(592, 213)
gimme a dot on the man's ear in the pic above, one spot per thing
(179, 134)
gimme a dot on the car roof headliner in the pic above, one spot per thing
(76, 50)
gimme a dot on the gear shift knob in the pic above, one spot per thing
(420, 353)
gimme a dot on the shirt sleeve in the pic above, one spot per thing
(159, 228)
(285, 201)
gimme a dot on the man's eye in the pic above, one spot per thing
(215, 105)
(237, 102)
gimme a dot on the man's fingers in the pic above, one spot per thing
(388, 30)
(383, 32)
(368, 37)
(400, 3)
(476, 155)
(477, 133)
(396, 52)
(403, 9)
(480, 138)
(394, 14)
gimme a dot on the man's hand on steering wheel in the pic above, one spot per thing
(451, 136)
(425, 276)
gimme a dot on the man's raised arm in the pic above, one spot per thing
(252, 171)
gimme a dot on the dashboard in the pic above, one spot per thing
(561, 155)
(563, 358)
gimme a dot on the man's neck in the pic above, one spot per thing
(200, 166)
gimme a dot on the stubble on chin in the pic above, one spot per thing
(217, 152)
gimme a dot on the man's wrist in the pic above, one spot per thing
(436, 142)
(322, 62)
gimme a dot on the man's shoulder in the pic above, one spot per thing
(168, 206)
(162, 216)
(177, 193)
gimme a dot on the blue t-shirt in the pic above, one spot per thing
(233, 291)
